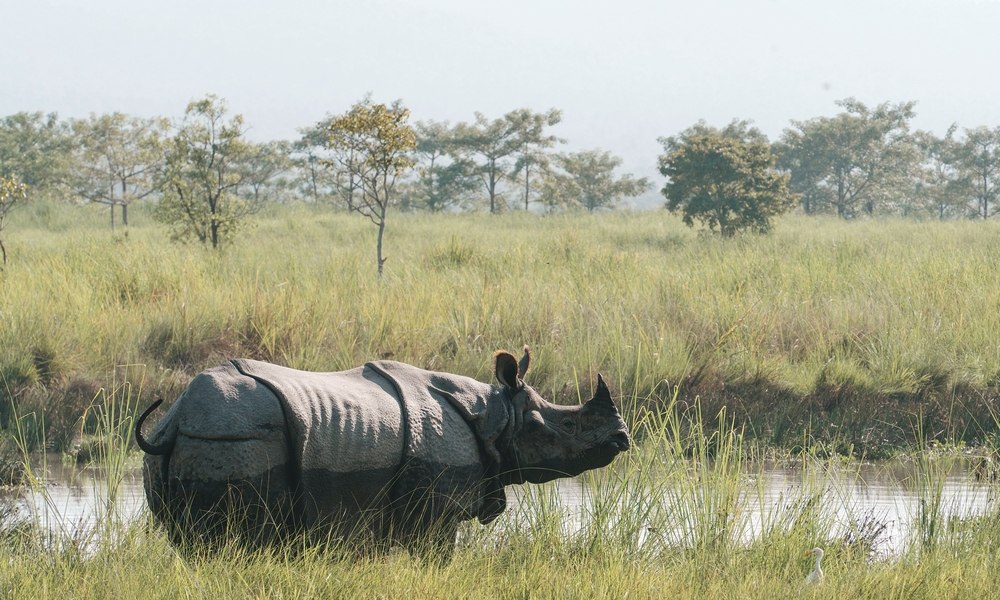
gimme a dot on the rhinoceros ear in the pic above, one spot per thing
(506, 370)
(524, 363)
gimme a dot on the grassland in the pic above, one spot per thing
(846, 335)
(862, 338)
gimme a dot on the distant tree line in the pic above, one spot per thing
(116, 159)
(205, 176)
(863, 161)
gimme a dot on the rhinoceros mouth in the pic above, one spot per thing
(592, 458)
(620, 441)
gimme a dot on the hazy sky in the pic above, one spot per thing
(623, 72)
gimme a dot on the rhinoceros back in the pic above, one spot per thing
(370, 436)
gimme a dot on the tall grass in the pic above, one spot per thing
(674, 517)
(842, 332)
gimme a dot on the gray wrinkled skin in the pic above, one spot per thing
(381, 454)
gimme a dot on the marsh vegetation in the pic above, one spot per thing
(848, 336)
(824, 340)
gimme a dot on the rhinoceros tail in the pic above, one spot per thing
(146, 446)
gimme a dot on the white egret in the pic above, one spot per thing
(817, 573)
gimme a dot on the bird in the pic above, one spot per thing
(816, 575)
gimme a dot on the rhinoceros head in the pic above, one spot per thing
(549, 441)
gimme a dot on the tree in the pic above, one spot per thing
(807, 175)
(118, 158)
(311, 160)
(35, 148)
(978, 160)
(726, 179)
(12, 192)
(587, 179)
(489, 146)
(939, 187)
(857, 160)
(263, 170)
(533, 142)
(443, 181)
(372, 147)
(205, 167)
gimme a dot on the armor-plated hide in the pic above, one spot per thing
(386, 452)
(346, 447)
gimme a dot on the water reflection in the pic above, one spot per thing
(888, 494)
(73, 500)
(883, 498)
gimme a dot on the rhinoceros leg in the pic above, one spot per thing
(246, 503)
(228, 475)
(433, 543)
(425, 521)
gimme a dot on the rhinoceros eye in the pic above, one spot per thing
(569, 424)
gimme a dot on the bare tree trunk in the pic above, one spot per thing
(841, 200)
(986, 201)
(381, 259)
(312, 179)
(527, 188)
(492, 188)
(124, 208)
(3, 251)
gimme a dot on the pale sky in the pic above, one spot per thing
(623, 72)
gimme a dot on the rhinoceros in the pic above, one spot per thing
(387, 453)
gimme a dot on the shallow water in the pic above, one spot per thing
(74, 500)
(884, 496)
(887, 493)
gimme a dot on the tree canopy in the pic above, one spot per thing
(118, 159)
(489, 146)
(204, 177)
(205, 167)
(857, 161)
(310, 161)
(12, 192)
(444, 180)
(587, 179)
(727, 179)
(501, 149)
(534, 142)
(977, 159)
(36, 149)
